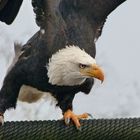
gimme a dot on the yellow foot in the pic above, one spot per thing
(75, 118)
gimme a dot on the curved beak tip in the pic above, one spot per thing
(102, 81)
(99, 74)
(101, 78)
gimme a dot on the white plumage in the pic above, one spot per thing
(63, 67)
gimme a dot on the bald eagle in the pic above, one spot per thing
(60, 58)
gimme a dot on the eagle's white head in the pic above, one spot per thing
(71, 66)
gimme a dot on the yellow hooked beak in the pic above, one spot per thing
(93, 71)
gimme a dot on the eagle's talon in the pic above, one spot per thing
(79, 128)
(90, 116)
(67, 121)
(1, 120)
(75, 118)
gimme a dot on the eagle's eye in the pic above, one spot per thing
(82, 66)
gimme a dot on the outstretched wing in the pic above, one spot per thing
(97, 9)
(63, 20)
(9, 10)
(76, 22)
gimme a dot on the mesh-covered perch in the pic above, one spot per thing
(102, 129)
